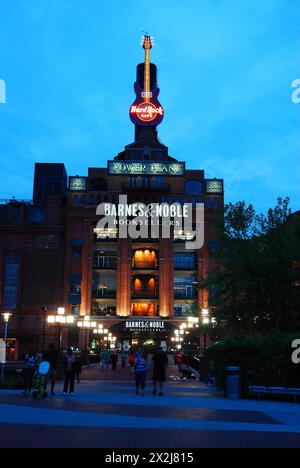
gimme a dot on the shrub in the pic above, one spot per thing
(264, 360)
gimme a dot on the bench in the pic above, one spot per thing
(277, 391)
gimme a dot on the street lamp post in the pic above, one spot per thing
(60, 320)
(6, 316)
(107, 337)
(44, 310)
(86, 324)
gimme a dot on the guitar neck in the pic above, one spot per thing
(147, 75)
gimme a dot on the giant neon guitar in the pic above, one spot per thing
(146, 109)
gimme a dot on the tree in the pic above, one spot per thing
(254, 277)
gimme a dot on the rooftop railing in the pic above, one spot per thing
(15, 201)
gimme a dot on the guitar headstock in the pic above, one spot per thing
(147, 42)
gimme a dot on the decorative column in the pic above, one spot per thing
(87, 268)
(203, 260)
(124, 273)
(166, 278)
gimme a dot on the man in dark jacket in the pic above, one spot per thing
(160, 363)
(69, 364)
(51, 356)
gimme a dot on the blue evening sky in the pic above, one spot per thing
(225, 73)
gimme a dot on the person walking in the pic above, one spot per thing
(77, 370)
(124, 360)
(51, 356)
(102, 361)
(131, 359)
(30, 367)
(69, 365)
(179, 358)
(106, 357)
(160, 363)
(140, 372)
(114, 360)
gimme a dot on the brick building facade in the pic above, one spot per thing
(51, 254)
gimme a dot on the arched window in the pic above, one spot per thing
(193, 187)
(207, 203)
(75, 200)
(216, 203)
(91, 199)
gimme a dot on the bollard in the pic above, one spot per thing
(233, 383)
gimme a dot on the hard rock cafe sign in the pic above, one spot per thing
(146, 111)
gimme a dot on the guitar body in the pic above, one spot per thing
(146, 111)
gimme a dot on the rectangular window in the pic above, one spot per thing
(105, 262)
(184, 261)
(104, 284)
(75, 310)
(146, 183)
(11, 280)
(185, 286)
(15, 214)
(184, 310)
(159, 182)
(75, 292)
(103, 310)
(132, 182)
(76, 251)
(36, 214)
(75, 287)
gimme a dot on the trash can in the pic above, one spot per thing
(233, 383)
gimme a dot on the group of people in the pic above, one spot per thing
(138, 362)
(70, 364)
(108, 357)
(158, 366)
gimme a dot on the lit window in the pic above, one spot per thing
(185, 286)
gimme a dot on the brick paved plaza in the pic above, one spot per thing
(107, 413)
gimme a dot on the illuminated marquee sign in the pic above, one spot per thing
(145, 325)
(136, 168)
(214, 186)
(146, 111)
(77, 184)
